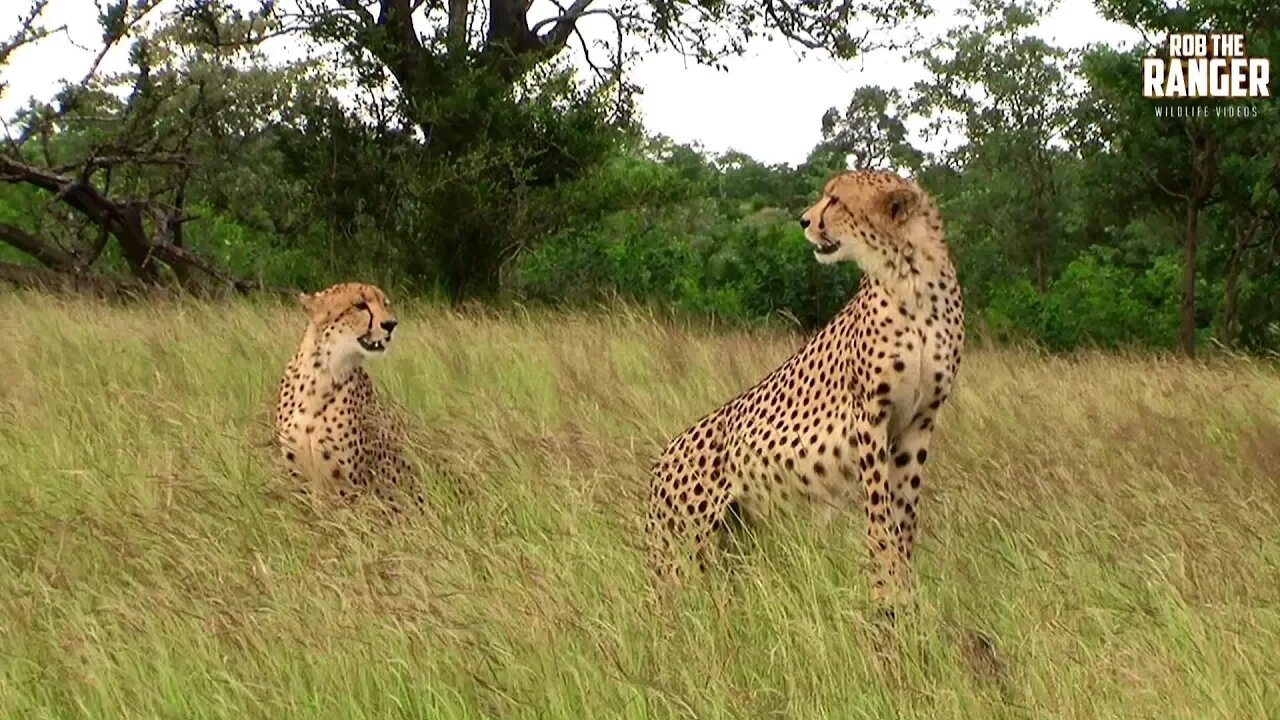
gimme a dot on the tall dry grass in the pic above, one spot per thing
(1100, 535)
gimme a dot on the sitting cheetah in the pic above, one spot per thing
(857, 401)
(335, 435)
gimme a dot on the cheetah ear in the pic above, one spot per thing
(307, 301)
(901, 203)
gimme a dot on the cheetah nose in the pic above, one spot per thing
(804, 222)
(389, 325)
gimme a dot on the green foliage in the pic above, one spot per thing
(671, 246)
(870, 132)
(1068, 204)
(430, 213)
(254, 252)
(1095, 302)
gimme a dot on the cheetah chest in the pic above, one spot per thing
(320, 432)
(918, 373)
(907, 358)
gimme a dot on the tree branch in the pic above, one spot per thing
(558, 35)
(27, 32)
(97, 162)
(43, 252)
(116, 34)
(1152, 176)
(359, 10)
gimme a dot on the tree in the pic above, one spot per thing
(1251, 198)
(1007, 92)
(426, 46)
(1180, 154)
(870, 132)
(124, 167)
(463, 74)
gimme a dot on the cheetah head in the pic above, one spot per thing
(350, 321)
(865, 216)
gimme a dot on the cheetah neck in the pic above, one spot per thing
(921, 261)
(320, 368)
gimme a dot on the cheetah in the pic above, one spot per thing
(857, 401)
(334, 434)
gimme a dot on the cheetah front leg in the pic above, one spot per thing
(872, 430)
(907, 476)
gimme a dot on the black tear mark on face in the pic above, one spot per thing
(822, 214)
(835, 200)
(362, 306)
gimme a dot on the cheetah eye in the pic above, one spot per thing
(362, 305)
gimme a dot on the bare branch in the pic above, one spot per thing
(178, 257)
(43, 252)
(582, 41)
(1152, 176)
(27, 32)
(359, 10)
(564, 24)
(123, 221)
(97, 162)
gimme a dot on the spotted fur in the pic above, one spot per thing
(335, 436)
(853, 408)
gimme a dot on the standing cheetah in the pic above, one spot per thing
(333, 432)
(857, 401)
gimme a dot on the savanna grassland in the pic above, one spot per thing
(1102, 535)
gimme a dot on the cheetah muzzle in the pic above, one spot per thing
(373, 346)
(825, 245)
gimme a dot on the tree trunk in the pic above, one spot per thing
(1227, 334)
(1042, 191)
(1042, 275)
(1230, 299)
(458, 16)
(1190, 238)
(1204, 177)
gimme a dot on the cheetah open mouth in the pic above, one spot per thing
(825, 246)
(373, 346)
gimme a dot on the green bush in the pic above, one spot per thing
(1096, 302)
(687, 257)
(251, 252)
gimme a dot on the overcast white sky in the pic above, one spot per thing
(768, 104)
